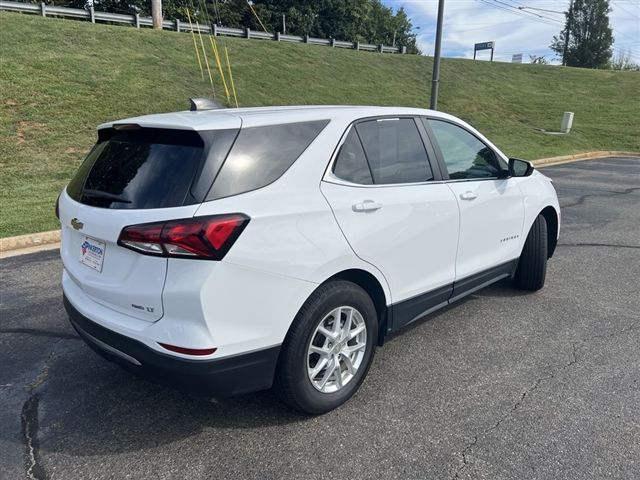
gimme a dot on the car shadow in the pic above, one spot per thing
(501, 289)
(86, 406)
(90, 407)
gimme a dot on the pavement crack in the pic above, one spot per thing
(40, 333)
(29, 420)
(582, 198)
(43, 374)
(464, 452)
(518, 404)
(573, 359)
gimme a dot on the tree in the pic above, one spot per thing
(368, 21)
(590, 36)
(538, 59)
(622, 61)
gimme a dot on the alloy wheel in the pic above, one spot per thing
(336, 349)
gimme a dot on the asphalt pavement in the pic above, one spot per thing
(504, 384)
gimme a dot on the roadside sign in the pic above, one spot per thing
(516, 58)
(484, 46)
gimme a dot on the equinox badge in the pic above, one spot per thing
(77, 224)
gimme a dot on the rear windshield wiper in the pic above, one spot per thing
(107, 195)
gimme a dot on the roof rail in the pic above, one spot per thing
(201, 103)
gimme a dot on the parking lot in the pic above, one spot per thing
(504, 384)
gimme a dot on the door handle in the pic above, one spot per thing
(468, 195)
(366, 206)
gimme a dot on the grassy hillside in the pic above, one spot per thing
(60, 78)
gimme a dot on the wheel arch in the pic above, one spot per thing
(370, 284)
(551, 217)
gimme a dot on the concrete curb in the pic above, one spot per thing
(29, 241)
(545, 162)
(27, 250)
(35, 242)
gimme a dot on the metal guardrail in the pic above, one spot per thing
(180, 26)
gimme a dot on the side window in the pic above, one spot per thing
(464, 155)
(260, 155)
(351, 164)
(395, 151)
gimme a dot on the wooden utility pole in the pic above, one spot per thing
(156, 13)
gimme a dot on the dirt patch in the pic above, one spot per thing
(26, 130)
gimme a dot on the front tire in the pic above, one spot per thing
(532, 266)
(328, 349)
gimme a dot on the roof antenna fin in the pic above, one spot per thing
(199, 103)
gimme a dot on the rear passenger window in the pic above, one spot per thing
(395, 151)
(351, 164)
(261, 155)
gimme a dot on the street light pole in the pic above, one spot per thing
(435, 78)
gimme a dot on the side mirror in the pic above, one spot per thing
(520, 168)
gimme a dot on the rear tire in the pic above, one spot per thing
(343, 361)
(532, 266)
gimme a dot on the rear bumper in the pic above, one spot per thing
(215, 378)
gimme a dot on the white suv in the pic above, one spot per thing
(228, 251)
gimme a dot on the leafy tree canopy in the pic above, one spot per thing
(367, 21)
(590, 36)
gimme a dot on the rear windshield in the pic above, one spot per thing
(143, 168)
(146, 168)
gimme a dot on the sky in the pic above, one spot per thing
(526, 31)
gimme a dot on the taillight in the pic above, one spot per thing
(58, 207)
(207, 238)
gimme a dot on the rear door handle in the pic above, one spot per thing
(366, 206)
(468, 195)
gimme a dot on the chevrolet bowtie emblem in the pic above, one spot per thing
(77, 224)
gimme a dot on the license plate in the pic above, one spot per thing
(92, 253)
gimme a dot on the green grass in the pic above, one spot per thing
(60, 78)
